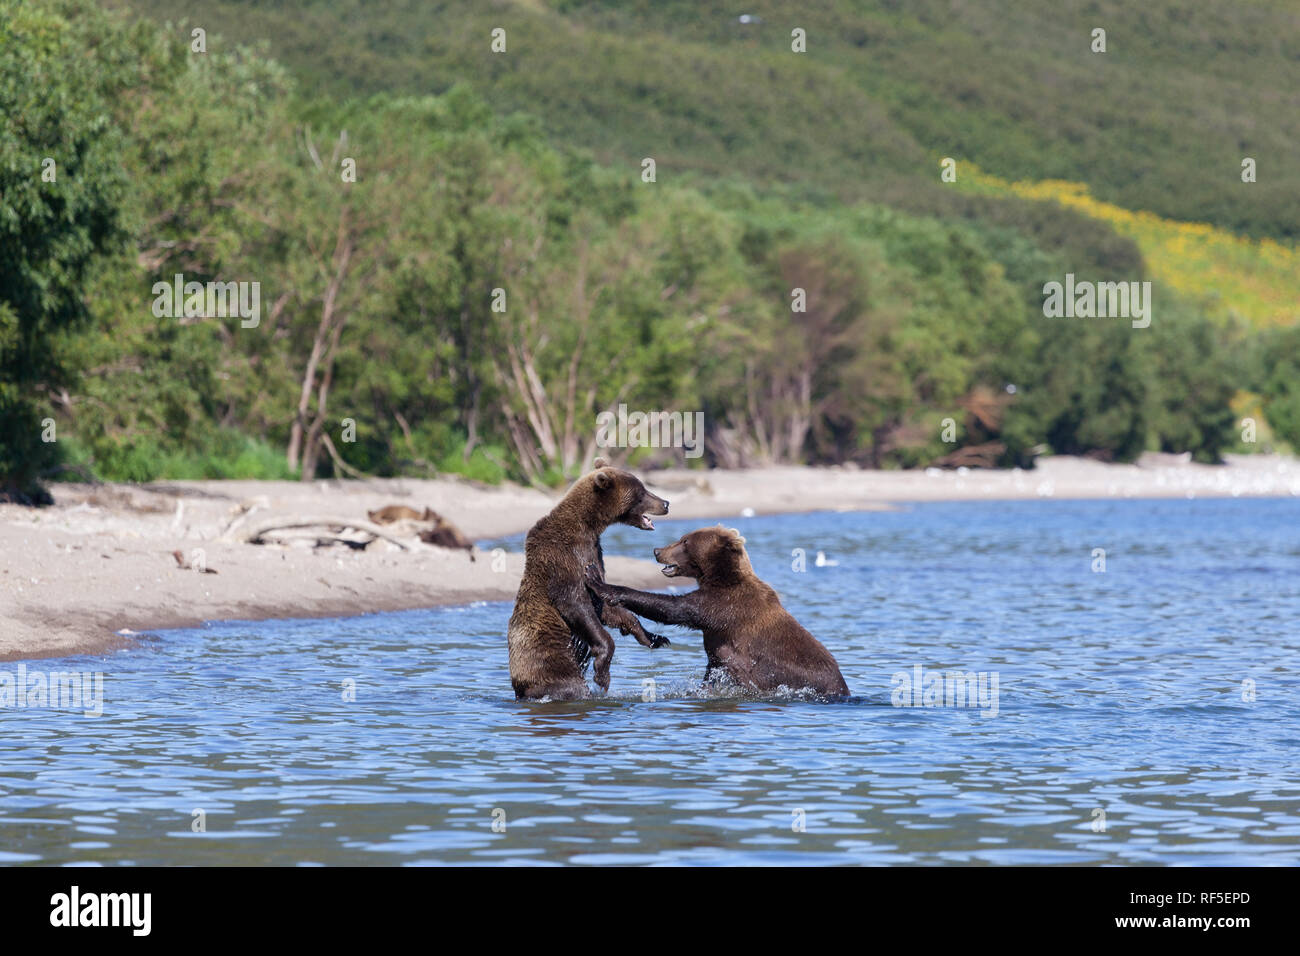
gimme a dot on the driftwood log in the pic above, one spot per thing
(973, 456)
(335, 525)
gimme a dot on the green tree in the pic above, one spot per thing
(61, 194)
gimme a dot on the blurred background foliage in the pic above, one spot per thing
(379, 350)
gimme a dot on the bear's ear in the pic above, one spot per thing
(726, 546)
(729, 536)
(600, 463)
(602, 479)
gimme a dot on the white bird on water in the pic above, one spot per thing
(825, 562)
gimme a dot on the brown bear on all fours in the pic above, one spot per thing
(748, 635)
(557, 623)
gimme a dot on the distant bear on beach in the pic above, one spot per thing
(556, 627)
(748, 635)
(392, 513)
(443, 534)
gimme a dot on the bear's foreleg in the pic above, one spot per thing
(679, 609)
(613, 616)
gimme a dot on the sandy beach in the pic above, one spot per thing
(88, 573)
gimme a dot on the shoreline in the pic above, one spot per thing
(91, 572)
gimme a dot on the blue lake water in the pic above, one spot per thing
(1147, 714)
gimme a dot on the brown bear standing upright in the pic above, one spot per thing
(748, 635)
(556, 626)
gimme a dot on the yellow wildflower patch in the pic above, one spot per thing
(1256, 279)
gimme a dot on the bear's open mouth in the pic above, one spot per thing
(645, 523)
(669, 570)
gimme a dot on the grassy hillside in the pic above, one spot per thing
(496, 272)
(1159, 122)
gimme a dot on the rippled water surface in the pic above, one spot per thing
(1147, 714)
